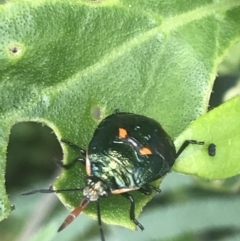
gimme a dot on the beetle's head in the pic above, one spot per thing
(95, 188)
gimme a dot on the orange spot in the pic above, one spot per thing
(122, 133)
(88, 165)
(145, 151)
(122, 190)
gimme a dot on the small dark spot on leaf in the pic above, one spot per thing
(13, 207)
(15, 50)
(96, 113)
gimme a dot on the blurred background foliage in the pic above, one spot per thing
(188, 209)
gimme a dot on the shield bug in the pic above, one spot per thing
(126, 153)
(212, 149)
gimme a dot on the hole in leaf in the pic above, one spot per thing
(31, 153)
(227, 85)
(15, 50)
(221, 86)
(96, 113)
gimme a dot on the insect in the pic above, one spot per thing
(126, 153)
(212, 149)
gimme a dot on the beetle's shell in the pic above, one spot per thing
(145, 154)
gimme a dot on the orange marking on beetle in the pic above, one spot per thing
(122, 133)
(88, 165)
(145, 151)
(74, 213)
(122, 190)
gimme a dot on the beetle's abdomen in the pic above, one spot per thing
(114, 166)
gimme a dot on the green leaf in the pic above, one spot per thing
(220, 126)
(63, 61)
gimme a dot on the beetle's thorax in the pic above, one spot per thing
(94, 189)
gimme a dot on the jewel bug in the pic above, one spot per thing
(127, 152)
(212, 149)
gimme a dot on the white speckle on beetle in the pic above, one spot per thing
(137, 128)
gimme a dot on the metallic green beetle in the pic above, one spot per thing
(126, 153)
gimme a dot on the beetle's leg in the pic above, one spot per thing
(185, 145)
(72, 163)
(154, 188)
(76, 160)
(132, 209)
(74, 146)
(117, 111)
(100, 221)
(147, 189)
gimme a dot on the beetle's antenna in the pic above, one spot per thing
(100, 221)
(74, 146)
(51, 190)
(74, 213)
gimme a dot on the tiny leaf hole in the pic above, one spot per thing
(15, 50)
(96, 113)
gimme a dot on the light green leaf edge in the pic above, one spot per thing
(220, 126)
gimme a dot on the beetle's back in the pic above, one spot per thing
(129, 150)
